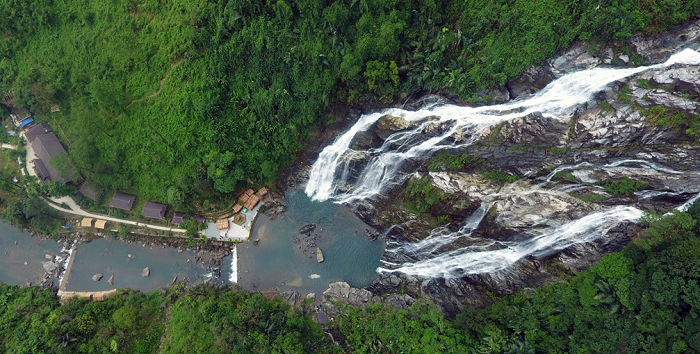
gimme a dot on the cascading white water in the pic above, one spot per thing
(329, 177)
(559, 99)
(233, 278)
(492, 256)
(644, 166)
(442, 236)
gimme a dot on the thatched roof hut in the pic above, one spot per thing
(100, 224)
(222, 224)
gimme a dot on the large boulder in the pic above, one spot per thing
(343, 293)
(388, 125)
(532, 80)
(49, 266)
(522, 212)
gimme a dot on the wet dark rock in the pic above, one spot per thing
(321, 317)
(366, 140)
(532, 80)
(307, 228)
(400, 301)
(493, 96)
(659, 47)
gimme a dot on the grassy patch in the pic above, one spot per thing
(625, 186)
(606, 106)
(420, 196)
(625, 93)
(444, 161)
(498, 176)
(519, 148)
(558, 150)
(493, 137)
(565, 175)
(645, 84)
(592, 198)
(680, 121)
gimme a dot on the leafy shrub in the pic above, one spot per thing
(444, 161)
(420, 195)
(625, 186)
(498, 176)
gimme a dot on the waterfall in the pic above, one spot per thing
(233, 278)
(491, 256)
(329, 178)
(558, 100)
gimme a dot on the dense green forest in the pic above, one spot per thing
(643, 299)
(188, 100)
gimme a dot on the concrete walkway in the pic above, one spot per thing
(81, 212)
(8, 146)
(76, 210)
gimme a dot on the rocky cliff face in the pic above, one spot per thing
(642, 129)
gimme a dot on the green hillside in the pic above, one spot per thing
(182, 101)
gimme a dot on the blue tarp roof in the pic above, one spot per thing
(26, 121)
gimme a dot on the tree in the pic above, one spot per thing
(224, 171)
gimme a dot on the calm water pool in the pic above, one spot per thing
(125, 262)
(29, 250)
(282, 261)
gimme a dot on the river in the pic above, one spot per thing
(23, 256)
(126, 261)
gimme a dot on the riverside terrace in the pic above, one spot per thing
(237, 226)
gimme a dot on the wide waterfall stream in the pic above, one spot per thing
(385, 167)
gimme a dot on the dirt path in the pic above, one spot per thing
(161, 84)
